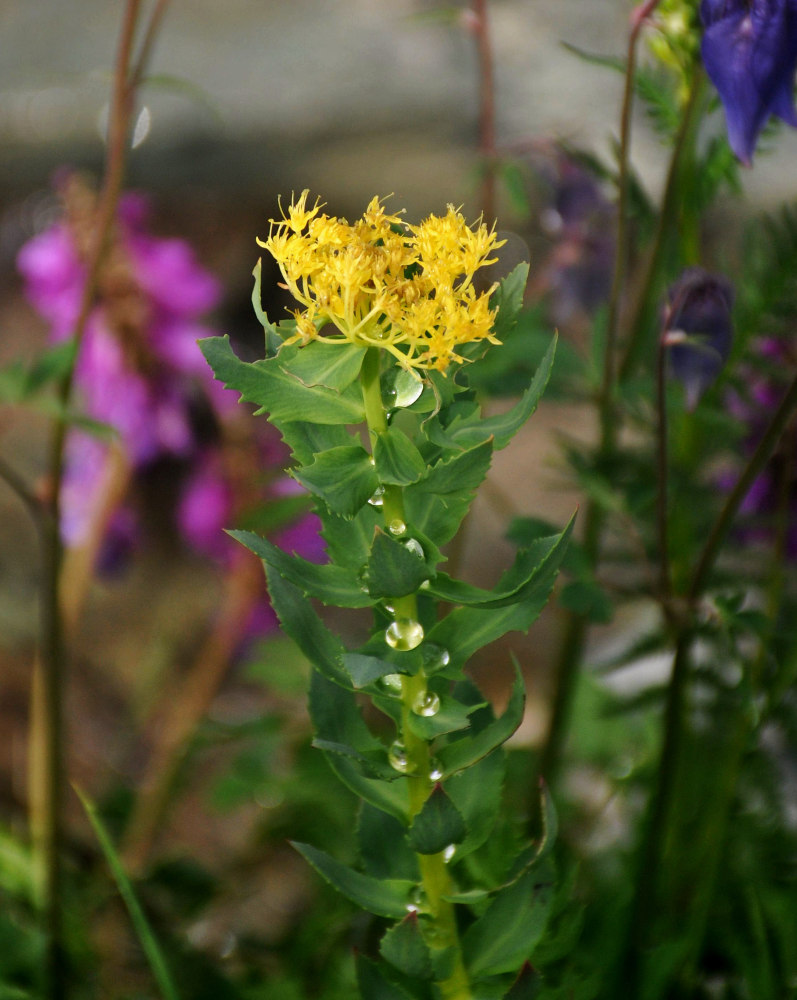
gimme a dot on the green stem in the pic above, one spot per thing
(657, 835)
(436, 881)
(668, 222)
(572, 648)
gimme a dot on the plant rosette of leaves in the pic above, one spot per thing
(462, 918)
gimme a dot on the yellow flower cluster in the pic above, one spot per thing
(383, 283)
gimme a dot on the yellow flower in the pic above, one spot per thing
(381, 282)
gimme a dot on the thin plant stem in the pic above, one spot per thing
(487, 144)
(572, 647)
(47, 692)
(436, 881)
(657, 828)
(667, 221)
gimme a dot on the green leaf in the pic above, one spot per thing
(335, 366)
(451, 717)
(306, 440)
(437, 504)
(349, 540)
(383, 845)
(466, 751)
(476, 792)
(508, 299)
(298, 619)
(364, 669)
(279, 393)
(503, 426)
(529, 563)
(343, 477)
(273, 339)
(374, 985)
(340, 729)
(404, 947)
(508, 931)
(438, 824)
(465, 630)
(331, 584)
(397, 459)
(390, 796)
(149, 944)
(384, 897)
(392, 570)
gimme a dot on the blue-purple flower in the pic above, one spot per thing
(698, 329)
(749, 50)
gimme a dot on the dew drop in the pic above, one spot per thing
(407, 388)
(435, 769)
(418, 902)
(389, 608)
(399, 759)
(448, 852)
(414, 546)
(425, 585)
(377, 498)
(426, 704)
(396, 527)
(435, 657)
(404, 634)
(391, 683)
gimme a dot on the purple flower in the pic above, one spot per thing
(698, 330)
(139, 369)
(749, 50)
(773, 495)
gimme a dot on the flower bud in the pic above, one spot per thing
(698, 330)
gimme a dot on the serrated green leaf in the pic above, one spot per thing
(364, 669)
(272, 338)
(404, 947)
(331, 584)
(349, 540)
(390, 796)
(450, 718)
(465, 630)
(508, 931)
(392, 570)
(383, 845)
(298, 619)
(464, 752)
(476, 792)
(437, 504)
(374, 985)
(384, 897)
(281, 395)
(340, 729)
(306, 440)
(343, 477)
(397, 459)
(438, 824)
(528, 564)
(503, 426)
(335, 366)
(508, 299)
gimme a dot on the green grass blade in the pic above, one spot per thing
(152, 950)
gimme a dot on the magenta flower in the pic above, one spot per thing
(749, 50)
(139, 368)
